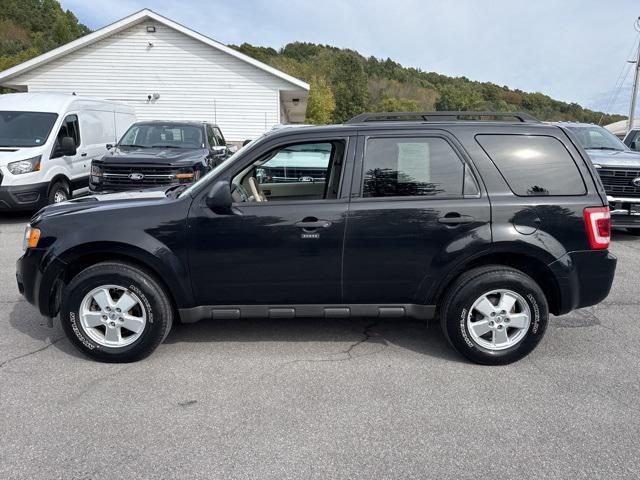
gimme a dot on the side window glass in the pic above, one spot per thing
(471, 188)
(218, 135)
(307, 163)
(411, 167)
(307, 171)
(534, 165)
(211, 137)
(70, 128)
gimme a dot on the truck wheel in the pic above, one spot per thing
(59, 192)
(114, 312)
(494, 315)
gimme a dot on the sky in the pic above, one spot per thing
(572, 50)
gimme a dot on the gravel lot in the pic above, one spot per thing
(322, 399)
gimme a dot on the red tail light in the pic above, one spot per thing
(598, 223)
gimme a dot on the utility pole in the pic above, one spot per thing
(636, 80)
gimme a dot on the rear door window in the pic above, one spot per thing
(411, 167)
(534, 165)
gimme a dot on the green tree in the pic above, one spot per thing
(459, 97)
(321, 103)
(349, 84)
(390, 104)
(31, 27)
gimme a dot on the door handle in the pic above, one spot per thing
(313, 223)
(83, 154)
(454, 218)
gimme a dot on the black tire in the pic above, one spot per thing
(471, 286)
(60, 187)
(157, 308)
(633, 231)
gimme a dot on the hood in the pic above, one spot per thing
(14, 154)
(615, 158)
(102, 202)
(153, 156)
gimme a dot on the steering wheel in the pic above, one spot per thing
(240, 191)
(256, 190)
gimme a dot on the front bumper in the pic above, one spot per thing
(23, 197)
(625, 212)
(98, 188)
(37, 275)
(584, 278)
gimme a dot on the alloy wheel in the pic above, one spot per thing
(499, 319)
(112, 316)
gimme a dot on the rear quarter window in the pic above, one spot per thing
(534, 165)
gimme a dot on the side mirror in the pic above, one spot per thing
(232, 148)
(634, 145)
(67, 146)
(219, 150)
(109, 146)
(219, 199)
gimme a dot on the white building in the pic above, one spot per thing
(620, 128)
(168, 72)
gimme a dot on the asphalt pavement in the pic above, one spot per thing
(320, 399)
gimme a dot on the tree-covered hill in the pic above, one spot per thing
(31, 27)
(344, 84)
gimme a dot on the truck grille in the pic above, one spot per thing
(618, 182)
(125, 177)
(291, 174)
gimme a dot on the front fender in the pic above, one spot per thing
(167, 266)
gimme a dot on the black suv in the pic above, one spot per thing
(156, 154)
(486, 221)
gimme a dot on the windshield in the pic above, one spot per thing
(597, 138)
(25, 129)
(172, 135)
(204, 180)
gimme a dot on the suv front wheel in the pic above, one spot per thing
(114, 312)
(494, 315)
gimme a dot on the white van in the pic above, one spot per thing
(47, 142)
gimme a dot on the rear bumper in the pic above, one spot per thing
(584, 278)
(23, 197)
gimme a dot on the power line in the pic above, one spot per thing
(624, 73)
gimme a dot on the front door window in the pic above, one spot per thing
(306, 171)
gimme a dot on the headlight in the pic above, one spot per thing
(96, 171)
(31, 237)
(25, 166)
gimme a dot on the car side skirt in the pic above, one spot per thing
(236, 312)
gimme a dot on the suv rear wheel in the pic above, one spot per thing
(114, 312)
(494, 315)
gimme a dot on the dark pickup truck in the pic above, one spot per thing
(619, 170)
(159, 154)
